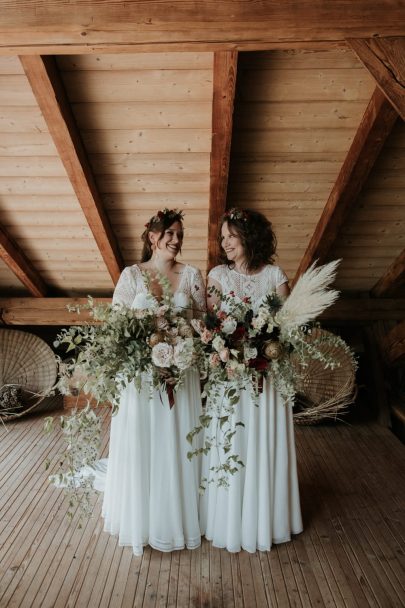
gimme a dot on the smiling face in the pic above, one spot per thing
(232, 245)
(167, 245)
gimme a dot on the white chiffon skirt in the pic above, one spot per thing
(151, 488)
(261, 506)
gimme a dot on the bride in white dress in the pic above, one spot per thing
(261, 505)
(151, 488)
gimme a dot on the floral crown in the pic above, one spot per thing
(236, 214)
(165, 213)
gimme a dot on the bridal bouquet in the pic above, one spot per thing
(122, 345)
(242, 346)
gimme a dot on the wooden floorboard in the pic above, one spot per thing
(351, 553)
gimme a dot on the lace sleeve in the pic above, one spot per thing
(197, 291)
(125, 290)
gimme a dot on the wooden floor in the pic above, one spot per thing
(351, 553)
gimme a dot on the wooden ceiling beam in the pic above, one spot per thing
(394, 344)
(225, 70)
(49, 91)
(45, 311)
(54, 311)
(384, 58)
(392, 280)
(376, 124)
(177, 25)
(16, 260)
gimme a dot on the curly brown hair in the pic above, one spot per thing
(256, 234)
(158, 223)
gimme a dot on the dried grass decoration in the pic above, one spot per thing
(27, 372)
(325, 393)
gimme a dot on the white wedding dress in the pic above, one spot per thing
(261, 506)
(151, 488)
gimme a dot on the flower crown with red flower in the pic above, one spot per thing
(174, 214)
(236, 214)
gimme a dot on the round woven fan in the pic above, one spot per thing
(28, 363)
(325, 393)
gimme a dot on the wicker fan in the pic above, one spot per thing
(28, 363)
(324, 393)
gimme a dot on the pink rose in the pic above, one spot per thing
(224, 355)
(206, 336)
(214, 360)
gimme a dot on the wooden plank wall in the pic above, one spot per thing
(374, 233)
(38, 207)
(297, 113)
(145, 120)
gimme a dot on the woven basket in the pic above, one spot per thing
(26, 361)
(324, 393)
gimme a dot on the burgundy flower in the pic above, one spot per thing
(259, 364)
(239, 333)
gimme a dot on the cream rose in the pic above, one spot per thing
(183, 353)
(162, 354)
(218, 343)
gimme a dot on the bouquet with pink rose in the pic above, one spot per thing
(122, 344)
(242, 345)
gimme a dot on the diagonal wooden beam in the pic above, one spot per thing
(49, 91)
(375, 126)
(15, 259)
(384, 58)
(225, 69)
(392, 280)
(394, 344)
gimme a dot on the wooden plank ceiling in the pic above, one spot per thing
(93, 143)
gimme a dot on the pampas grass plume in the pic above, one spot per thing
(310, 296)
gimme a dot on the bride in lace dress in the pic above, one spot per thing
(261, 505)
(151, 488)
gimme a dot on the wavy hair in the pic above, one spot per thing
(158, 223)
(256, 234)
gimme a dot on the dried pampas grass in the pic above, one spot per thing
(310, 296)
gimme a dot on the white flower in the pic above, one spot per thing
(144, 300)
(183, 353)
(228, 325)
(249, 353)
(218, 343)
(260, 319)
(162, 354)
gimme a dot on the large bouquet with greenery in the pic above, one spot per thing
(124, 344)
(242, 346)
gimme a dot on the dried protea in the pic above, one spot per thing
(272, 349)
(155, 339)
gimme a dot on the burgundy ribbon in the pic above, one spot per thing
(170, 394)
(260, 364)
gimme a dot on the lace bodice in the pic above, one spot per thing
(256, 286)
(131, 290)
